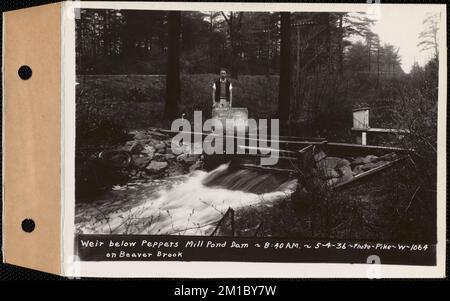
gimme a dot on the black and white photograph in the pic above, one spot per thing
(314, 129)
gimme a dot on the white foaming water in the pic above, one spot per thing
(188, 208)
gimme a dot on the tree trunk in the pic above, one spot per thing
(297, 73)
(210, 45)
(285, 69)
(436, 46)
(341, 48)
(328, 42)
(378, 65)
(234, 22)
(268, 46)
(106, 37)
(173, 67)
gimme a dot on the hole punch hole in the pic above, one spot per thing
(25, 72)
(28, 225)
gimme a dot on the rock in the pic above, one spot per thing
(357, 161)
(169, 150)
(150, 141)
(319, 156)
(159, 157)
(388, 157)
(160, 147)
(328, 163)
(156, 167)
(370, 158)
(129, 143)
(346, 173)
(141, 162)
(363, 160)
(342, 163)
(357, 170)
(170, 157)
(328, 173)
(148, 150)
(196, 165)
(140, 136)
(188, 159)
(372, 165)
(345, 170)
(136, 148)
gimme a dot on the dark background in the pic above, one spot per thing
(8, 272)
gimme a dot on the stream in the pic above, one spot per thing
(190, 204)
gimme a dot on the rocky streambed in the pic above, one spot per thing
(152, 156)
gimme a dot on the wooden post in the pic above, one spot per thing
(364, 138)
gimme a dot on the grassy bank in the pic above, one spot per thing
(137, 101)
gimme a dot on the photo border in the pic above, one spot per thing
(181, 269)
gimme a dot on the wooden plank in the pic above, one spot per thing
(379, 130)
(368, 173)
(271, 169)
(283, 139)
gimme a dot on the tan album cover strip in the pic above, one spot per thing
(32, 142)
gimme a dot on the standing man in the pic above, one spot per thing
(222, 91)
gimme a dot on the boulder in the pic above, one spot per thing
(140, 136)
(328, 163)
(169, 157)
(357, 161)
(159, 157)
(363, 160)
(188, 159)
(328, 173)
(136, 147)
(357, 170)
(372, 165)
(346, 173)
(141, 162)
(342, 163)
(345, 170)
(319, 156)
(160, 147)
(388, 157)
(370, 158)
(156, 167)
(148, 150)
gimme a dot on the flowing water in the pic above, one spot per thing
(184, 205)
